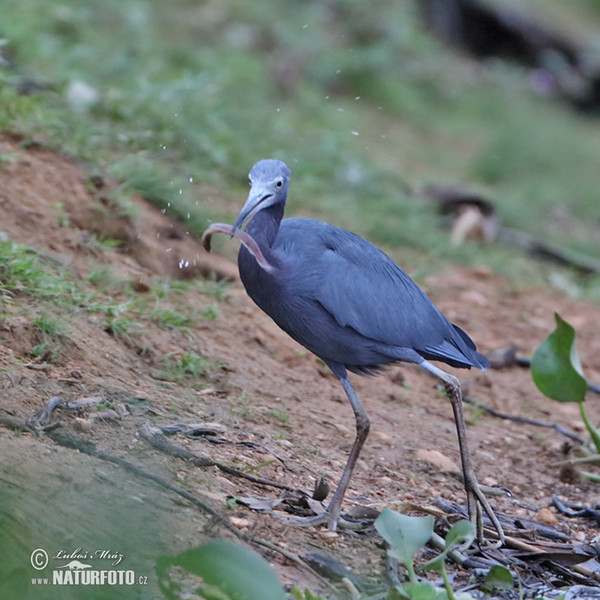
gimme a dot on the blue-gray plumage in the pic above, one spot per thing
(348, 303)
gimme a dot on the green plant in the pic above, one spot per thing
(48, 324)
(48, 351)
(227, 571)
(169, 318)
(62, 215)
(406, 535)
(216, 289)
(281, 415)
(299, 594)
(556, 371)
(211, 312)
(179, 367)
(123, 327)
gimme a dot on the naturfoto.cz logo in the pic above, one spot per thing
(79, 570)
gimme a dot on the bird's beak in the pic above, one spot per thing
(257, 197)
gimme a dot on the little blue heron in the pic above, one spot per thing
(350, 304)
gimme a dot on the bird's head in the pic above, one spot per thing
(270, 180)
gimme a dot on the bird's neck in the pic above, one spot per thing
(264, 227)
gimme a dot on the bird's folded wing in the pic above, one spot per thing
(364, 289)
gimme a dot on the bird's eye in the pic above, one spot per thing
(250, 180)
(279, 183)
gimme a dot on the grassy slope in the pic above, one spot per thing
(356, 98)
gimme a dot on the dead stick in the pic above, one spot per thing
(158, 440)
(523, 420)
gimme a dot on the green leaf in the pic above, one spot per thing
(436, 563)
(236, 572)
(555, 366)
(498, 578)
(397, 592)
(462, 533)
(404, 533)
(423, 590)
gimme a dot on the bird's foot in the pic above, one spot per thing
(322, 519)
(329, 516)
(476, 503)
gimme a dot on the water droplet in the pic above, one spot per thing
(188, 216)
(354, 132)
(169, 250)
(305, 26)
(357, 97)
(191, 180)
(340, 110)
(180, 192)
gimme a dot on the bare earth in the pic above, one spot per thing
(261, 387)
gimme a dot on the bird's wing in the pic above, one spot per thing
(362, 288)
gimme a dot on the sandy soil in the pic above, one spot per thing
(261, 388)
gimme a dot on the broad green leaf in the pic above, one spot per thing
(423, 590)
(462, 533)
(404, 533)
(397, 592)
(499, 578)
(237, 572)
(436, 563)
(555, 366)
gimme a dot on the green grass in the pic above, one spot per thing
(50, 297)
(183, 366)
(170, 319)
(360, 102)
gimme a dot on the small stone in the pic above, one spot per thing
(384, 437)
(580, 536)
(343, 429)
(122, 409)
(439, 460)
(239, 522)
(547, 516)
(82, 425)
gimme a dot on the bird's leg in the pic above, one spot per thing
(475, 497)
(362, 431)
(331, 515)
